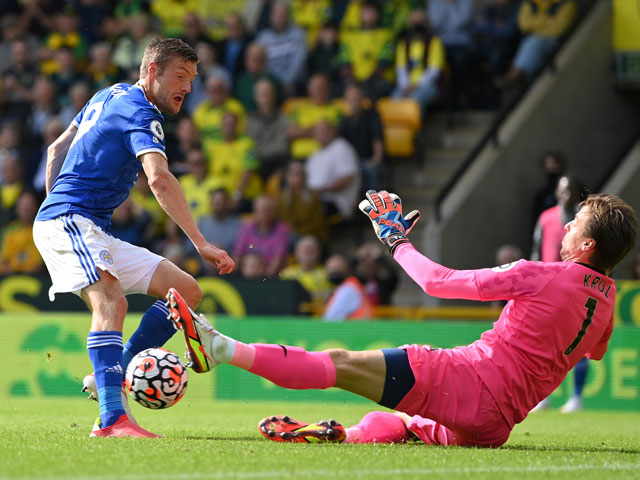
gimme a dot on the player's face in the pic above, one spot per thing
(574, 238)
(172, 85)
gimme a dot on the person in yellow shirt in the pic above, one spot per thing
(233, 164)
(366, 55)
(311, 15)
(198, 184)
(171, 14)
(207, 116)
(308, 270)
(18, 253)
(308, 114)
(420, 62)
(542, 23)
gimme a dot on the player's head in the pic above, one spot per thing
(602, 233)
(168, 67)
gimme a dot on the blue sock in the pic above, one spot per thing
(154, 331)
(580, 376)
(105, 352)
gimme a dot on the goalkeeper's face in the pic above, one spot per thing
(169, 87)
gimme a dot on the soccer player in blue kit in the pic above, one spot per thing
(91, 168)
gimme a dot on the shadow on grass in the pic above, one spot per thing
(226, 439)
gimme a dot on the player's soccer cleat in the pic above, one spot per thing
(574, 404)
(286, 429)
(122, 428)
(89, 385)
(197, 330)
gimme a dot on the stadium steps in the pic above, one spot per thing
(446, 141)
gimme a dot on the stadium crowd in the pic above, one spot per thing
(279, 136)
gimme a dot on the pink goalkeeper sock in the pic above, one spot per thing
(378, 427)
(293, 367)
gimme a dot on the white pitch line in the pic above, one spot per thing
(354, 473)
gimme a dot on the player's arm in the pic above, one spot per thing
(167, 190)
(56, 153)
(600, 348)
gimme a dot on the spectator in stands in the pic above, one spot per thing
(233, 164)
(286, 48)
(542, 24)
(255, 69)
(37, 157)
(333, 172)
(208, 67)
(367, 54)
(420, 62)
(207, 116)
(553, 165)
(10, 143)
(38, 17)
(549, 230)
(129, 48)
(66, 33)
(311, 15)
(362, 128)
(267, 126)
(132, 224)
(197, 185)
(265, 235)
(301, 207)
(376, 274)
(308, 114)
(67, 75)
(17, 82)
(324, 57)
(194, 30)
(187, 138)
(79, 95)
(43, 108)
(496, 31)
(172, 13)
(12, 183)
(221, 227)
(102, 71)
(507, 254)
(233, 48)
(308, 270)
(635, 267)
(452, 21)
(11, 30)
(349, 300)
(18, 253)
(252, 266)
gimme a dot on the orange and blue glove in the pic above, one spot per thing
(384, 209)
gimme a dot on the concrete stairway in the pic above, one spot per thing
(444, 145)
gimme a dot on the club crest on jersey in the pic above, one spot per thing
(105, 256)
(156, 129)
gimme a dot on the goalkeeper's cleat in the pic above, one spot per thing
(197, 331)
(122, 428)
(286, 429)
(89, 385)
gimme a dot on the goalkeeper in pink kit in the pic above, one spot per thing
(556, 314)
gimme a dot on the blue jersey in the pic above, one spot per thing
(117, 126)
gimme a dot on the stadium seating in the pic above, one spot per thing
(400, 123)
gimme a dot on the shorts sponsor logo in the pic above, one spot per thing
(105, 256)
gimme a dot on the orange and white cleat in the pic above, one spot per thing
(122, 428)
(286, 429)
(197, 331)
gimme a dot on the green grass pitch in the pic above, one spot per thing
(48, 439)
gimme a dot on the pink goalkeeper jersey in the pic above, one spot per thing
(556, 314)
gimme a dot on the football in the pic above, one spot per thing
(156, 378)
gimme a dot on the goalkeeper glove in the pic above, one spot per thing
(384, 209)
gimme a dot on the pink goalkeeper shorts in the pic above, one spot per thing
(449, 403)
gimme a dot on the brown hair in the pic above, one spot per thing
(612, 224)
(162, 51)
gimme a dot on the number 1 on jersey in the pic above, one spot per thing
(591, 305)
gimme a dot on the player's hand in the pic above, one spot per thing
(384, 209)
(218, 257)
